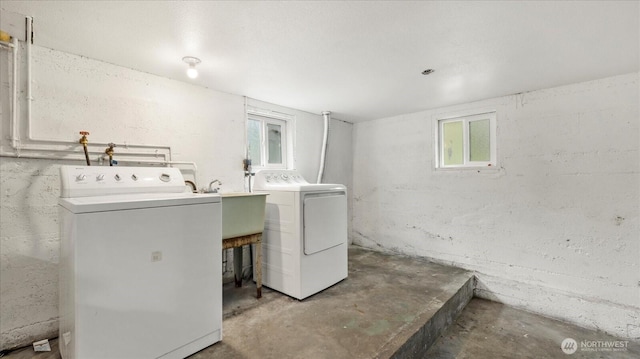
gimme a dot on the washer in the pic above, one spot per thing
(140, 264)
(304, 245)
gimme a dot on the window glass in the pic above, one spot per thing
(254, 137)
(453, 143)
(466, 141)
(267, 141)
(479, 140)
(274, 138)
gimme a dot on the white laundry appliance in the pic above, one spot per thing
(304, 244)
(140, 264)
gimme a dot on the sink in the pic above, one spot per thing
(242, 214)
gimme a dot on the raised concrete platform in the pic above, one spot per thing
(390, 306)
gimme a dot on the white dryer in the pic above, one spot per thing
(140, 264)
(304, 244)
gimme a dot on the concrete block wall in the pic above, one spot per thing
(73, 93)
(554, 229)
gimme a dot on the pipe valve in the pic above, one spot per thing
(84, 141)
(109, 152)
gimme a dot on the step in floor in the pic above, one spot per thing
(389, 306)
(492, 330)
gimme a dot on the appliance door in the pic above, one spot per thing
(148, 281)
(325, 221)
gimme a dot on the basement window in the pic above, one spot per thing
(267, 141)
(466, 141)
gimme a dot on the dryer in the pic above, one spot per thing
(304, 244)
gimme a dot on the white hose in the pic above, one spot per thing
(323, 153)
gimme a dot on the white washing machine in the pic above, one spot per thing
(140, 264)
(304, 244)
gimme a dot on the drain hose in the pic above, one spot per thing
(323, 152)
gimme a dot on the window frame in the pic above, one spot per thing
(466, 118)
(265, 120)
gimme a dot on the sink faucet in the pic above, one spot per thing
(192, 185)
(214, 190)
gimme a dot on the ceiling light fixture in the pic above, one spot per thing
(192, 72)
(428, 71)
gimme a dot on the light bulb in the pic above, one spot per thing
(192, 62)
(192, 72)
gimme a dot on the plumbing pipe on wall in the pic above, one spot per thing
(323, 153)
(31, 138)
(29, 38)
(53, 149)
(14, 47)
(15, 139)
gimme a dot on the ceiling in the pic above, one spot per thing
(362, 60)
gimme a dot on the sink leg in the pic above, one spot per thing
(258, 265)
(237, 266)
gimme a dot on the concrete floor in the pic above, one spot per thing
(389, 307)
(381, 309)
(492, 330)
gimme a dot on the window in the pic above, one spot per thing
(466, 141)
(267, 141)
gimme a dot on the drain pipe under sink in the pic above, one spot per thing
(326, 115)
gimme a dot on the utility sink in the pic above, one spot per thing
(242, 214)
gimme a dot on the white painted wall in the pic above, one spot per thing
(554, 230)
(73, 93)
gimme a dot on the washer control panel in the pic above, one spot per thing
(268, 178)
(284, 178)
(85, 181)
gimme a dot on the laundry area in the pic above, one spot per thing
(296, 179)
(392, 306)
